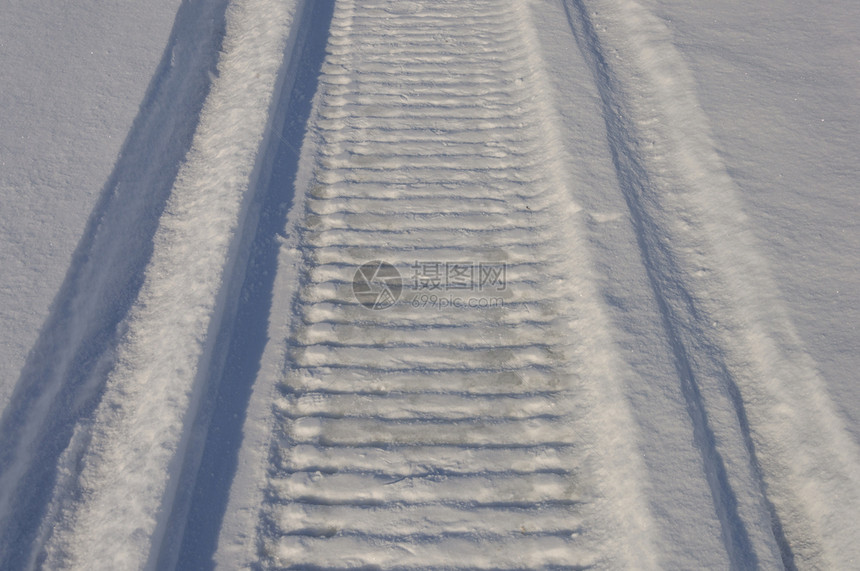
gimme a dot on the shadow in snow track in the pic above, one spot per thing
(675, 306)
(199, 524)
(64, 375)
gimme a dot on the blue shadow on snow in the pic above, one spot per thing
(248, 337)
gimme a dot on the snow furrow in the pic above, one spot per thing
(490, 382)
(517, 552)
(442, 406)
(418, 520)
(439, 459)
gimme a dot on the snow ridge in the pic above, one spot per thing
(65, 372)
(136, 440)
(775, 448)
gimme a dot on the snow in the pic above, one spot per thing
(761, 371)
(665, 379)
(68, 104)
(778, 85)
(157, 374)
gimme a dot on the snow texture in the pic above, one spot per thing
(391, 284)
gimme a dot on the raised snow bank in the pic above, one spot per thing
(136, 441)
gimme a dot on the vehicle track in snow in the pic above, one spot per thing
(458, 427)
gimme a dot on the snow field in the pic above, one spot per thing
(585, 363)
